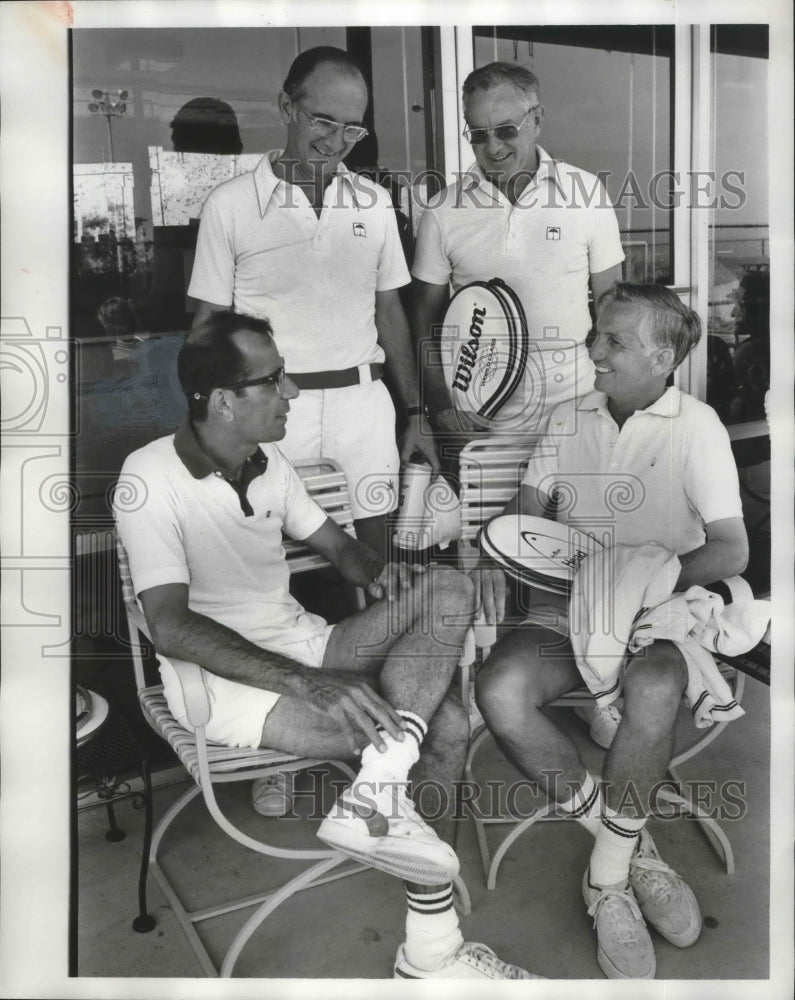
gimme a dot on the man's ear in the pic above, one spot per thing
(663, 361)
(218, 404)
(285, 107)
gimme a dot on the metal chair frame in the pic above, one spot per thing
(211, 763)
(491, 470)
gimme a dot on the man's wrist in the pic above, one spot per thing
(418, 410)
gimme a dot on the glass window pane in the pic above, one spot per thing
(738, 369)
(738, 373)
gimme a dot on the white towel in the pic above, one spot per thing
(623, 595)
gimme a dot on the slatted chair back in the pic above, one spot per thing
(490, 472)
(326, 484)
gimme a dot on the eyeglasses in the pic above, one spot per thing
(275, 379)
(478, 136)
(324, 127)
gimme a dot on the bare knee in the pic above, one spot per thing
(653, 686)
(505, 690)
(450, 724)
(451, 595)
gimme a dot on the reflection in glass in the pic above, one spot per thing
(738, 352)
(206, 125)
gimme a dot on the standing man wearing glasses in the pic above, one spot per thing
(544, 227)
(315, 250)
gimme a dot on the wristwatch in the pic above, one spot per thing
(415, 411)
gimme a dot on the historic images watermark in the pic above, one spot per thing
(664, 189)
(523, 799)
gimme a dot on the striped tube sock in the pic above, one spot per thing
(585, 805)
(615, 843)
(432, 931)
(381, 773)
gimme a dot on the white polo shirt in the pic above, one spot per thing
(262, 251)
(561, 230)
(184, 523)
(661, 478)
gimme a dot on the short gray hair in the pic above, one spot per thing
(496, 73)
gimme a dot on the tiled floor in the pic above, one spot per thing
(351, 929)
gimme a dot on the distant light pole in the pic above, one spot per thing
(110, 106)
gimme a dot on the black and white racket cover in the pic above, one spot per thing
(484, 346)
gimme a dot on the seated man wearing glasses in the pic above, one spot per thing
(208, 566)
(315, 249)
(544, 227)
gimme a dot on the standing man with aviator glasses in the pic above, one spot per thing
(544, 227)
(303, 243)
(548, 230)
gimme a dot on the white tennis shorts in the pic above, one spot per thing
(355, 426)
(237, 711)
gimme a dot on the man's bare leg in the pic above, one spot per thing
(412, 645)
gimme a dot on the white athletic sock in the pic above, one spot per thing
(432, 931)
(585, 805)
(381, 774)
(615, 843)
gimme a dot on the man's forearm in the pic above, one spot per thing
(219, 649)
(396, 344)
(358, 563)
(436, 393)
(426, 311)
(709, 563)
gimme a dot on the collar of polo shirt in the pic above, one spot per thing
(266, 181)
(547, 170)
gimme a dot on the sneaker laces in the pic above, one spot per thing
(625, 914)
(406, 810)
(658, 878)
(482, 958)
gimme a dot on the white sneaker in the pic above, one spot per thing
(401, 844)
(471, 961)
(273, 794)
(665, 899)
(604, 722)
(624, 947)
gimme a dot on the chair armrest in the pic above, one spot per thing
(194, 690)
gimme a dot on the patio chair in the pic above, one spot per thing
(211, 763)
(491, 470)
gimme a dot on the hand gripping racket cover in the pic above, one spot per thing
(484, 344)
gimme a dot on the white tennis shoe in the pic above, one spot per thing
(401, 844)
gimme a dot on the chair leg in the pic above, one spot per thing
(461, 898)
(183, 918)
(145, 922)
(290, 888)
(478, 737)
(712, 832)
(115, 833)
(519, 828)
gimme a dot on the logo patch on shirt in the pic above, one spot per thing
(553, 232)
(359, 229)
